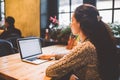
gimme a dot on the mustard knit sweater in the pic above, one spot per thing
(81, 61)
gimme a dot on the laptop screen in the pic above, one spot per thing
(29, 47)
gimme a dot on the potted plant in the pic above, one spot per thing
(59, 33)
(115, 29)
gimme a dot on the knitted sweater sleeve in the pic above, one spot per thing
(77, 58)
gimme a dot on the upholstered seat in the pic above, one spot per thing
(6, 48)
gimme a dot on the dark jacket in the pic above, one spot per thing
(12, 32)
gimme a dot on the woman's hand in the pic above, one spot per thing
(47, 56)
(47, 78)
(73, 77)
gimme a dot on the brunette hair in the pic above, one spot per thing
(10, 20)
(99, 35)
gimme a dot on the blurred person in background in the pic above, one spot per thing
(9, 29)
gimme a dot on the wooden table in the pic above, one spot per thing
(12, 68)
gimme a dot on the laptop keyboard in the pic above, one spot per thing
(32, 59)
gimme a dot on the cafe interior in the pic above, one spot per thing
(48, 20)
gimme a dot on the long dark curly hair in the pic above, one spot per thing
(97, 31)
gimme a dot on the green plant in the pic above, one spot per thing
(64, 34)
(65, 31)
(115, 28)
(58, 32)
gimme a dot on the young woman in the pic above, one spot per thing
(95, 57)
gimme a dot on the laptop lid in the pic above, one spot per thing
(29, 47)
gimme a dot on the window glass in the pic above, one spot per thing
(117, 16)
(43, 6)
(64, 6)
(104, 4)
(71, 15)
(106, 16)
(43, 21)
(43, 13)
(75, 3)
(117, 3)
(64, 19)
(65, 10)
(2, 14)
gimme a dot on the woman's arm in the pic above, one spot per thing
(51, 56)
(77, 58)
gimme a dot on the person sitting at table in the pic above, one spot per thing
(94, 58)
(9, 29)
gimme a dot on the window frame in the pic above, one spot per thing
(70, 12)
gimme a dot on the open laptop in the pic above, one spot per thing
(29, 49)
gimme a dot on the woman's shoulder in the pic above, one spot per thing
(86, 44)
(84, 48)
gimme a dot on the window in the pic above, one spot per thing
(117, 11)
(66, 9)
(109, 10)
(43, 17)
(106, 15)
(2, 14)
(43, 12)
(117, 16)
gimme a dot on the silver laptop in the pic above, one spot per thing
(29, 49)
